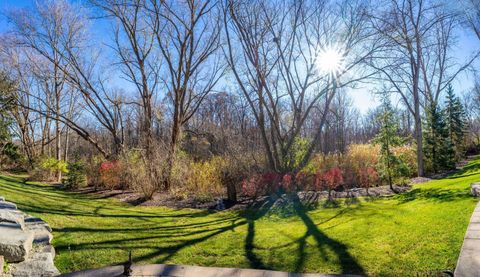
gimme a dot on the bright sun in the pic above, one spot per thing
(330, 61)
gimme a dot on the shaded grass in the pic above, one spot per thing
(415, 232)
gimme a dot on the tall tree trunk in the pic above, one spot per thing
(418, 134)
(66, 142)
(176, 134)
(58, 139)
(419, 140)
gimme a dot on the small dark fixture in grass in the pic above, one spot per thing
(127, 266)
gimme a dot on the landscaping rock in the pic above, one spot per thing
(475, 189)
(2, 198)
(15, 244)
(7, 205)
(419, 180)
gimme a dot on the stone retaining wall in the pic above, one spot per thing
(25, 243)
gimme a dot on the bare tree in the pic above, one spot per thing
(471, 9)
(57, 32)
(188, 36)
(139, 61)
(274, 50)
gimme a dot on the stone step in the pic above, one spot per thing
(12, 216)
(40, 229)
(25, 243)
(7, 205)
(15, 243)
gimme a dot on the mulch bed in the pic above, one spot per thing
(169, 200)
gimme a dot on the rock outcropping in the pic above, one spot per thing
(25, 243)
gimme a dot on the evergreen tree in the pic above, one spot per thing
(388, 138)
(7, 148)
(455, 123)
(437, 145)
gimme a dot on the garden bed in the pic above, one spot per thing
(169, 200)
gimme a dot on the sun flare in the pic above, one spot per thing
(330, 60)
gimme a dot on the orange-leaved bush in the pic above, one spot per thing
(111, 174)
(330, 180)
(368, 177)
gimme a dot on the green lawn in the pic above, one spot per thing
(418, 231)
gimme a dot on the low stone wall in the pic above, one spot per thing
(25, 243)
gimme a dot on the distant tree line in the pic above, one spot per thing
(171, 81)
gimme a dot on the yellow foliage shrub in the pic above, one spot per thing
(357, 159)
(321, 163)
(360, 156)
(205, 178)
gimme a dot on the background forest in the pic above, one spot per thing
(231, 98)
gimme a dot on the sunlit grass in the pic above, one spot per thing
(418, 231)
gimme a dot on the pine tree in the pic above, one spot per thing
(455, 123)
(7, 148)
(388, 138)
(437, 145)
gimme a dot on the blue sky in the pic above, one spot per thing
(362, 97)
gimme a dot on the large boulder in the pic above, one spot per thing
(475, 189)
(40, 264)
(15, 243)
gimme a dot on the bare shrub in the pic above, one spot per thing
(144, 174)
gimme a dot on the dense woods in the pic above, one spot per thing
(228, 98)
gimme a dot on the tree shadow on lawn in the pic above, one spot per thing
(347, 262)
(434, 194)
(41, 200)
(175, 237)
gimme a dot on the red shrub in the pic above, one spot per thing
(259, 184)
(262, 184)
(287, 182)
(330, 180)
(111, 174)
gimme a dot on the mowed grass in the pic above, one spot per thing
(415, 232)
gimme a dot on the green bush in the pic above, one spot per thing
(76, 176)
